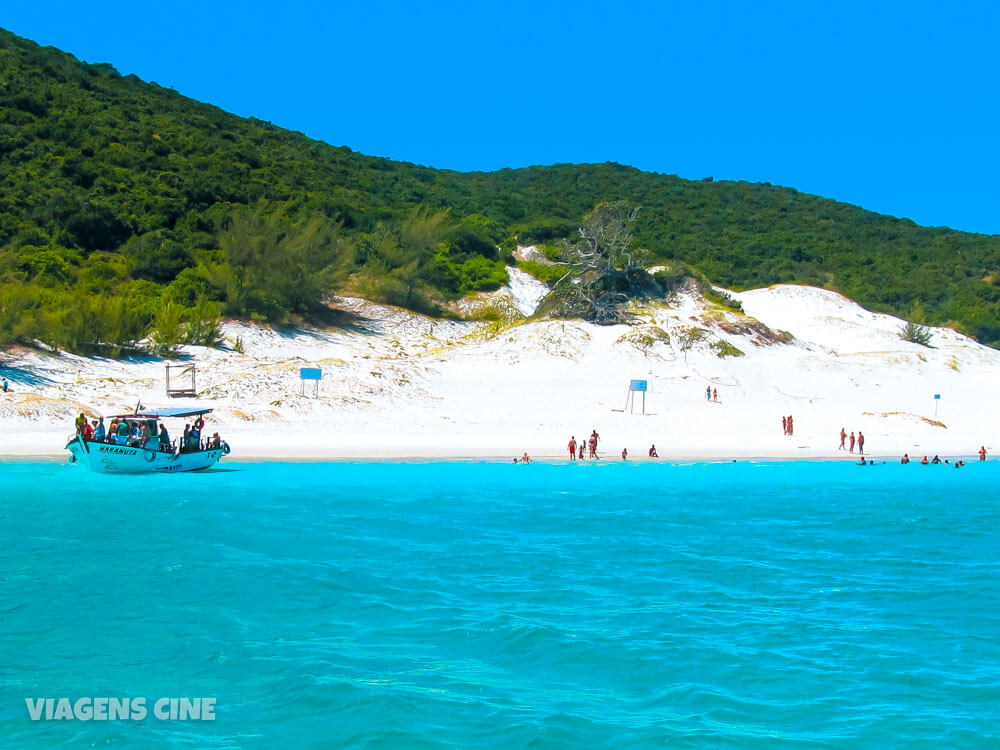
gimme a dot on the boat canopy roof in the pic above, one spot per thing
(175, 413)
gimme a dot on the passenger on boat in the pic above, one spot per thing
(81, 421)
(164, 438)
(150, 438)
(186, 439)
(121, 438)
(99, 431)
(88, 431)
(215, 442)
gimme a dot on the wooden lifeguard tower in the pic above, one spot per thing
(184, 381)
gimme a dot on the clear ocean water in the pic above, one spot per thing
(427, 605)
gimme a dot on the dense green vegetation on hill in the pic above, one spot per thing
(127, 209)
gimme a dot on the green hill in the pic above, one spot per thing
(127, 208)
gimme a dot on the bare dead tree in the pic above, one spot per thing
(605, 269)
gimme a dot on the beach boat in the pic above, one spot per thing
(132, 457)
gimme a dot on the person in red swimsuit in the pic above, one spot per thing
(572, 448)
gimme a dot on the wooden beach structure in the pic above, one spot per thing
(184, 381)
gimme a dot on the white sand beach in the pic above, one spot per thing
(399, 385)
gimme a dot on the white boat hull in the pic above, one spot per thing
(108, 458)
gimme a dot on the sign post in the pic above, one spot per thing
(182, 390)
(312, 374)
(636, 386)
(937, 397)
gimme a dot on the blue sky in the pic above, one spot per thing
(891, 106)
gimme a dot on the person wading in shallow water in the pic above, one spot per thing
(572, 448)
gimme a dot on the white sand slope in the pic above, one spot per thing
(397, 384)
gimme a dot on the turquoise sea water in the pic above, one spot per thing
(747, 605)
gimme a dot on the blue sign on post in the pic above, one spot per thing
(937, 396)
(636, 386)
(310, 373)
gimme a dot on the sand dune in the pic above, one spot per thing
(397, 384)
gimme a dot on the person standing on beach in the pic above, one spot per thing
(791, 430)
(581, 448)
(594, 437)
(572, 448)
(5, 386)
(851, 441)
(708, 393)
(982, 452)
(715, 394)
(652, 451)
(784, 425)
(843, 437)
(861, 442)
(624, 454)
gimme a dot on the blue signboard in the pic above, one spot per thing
(310, 373)
(937, 396)
(638, 385)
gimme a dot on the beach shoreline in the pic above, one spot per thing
(269, 451)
